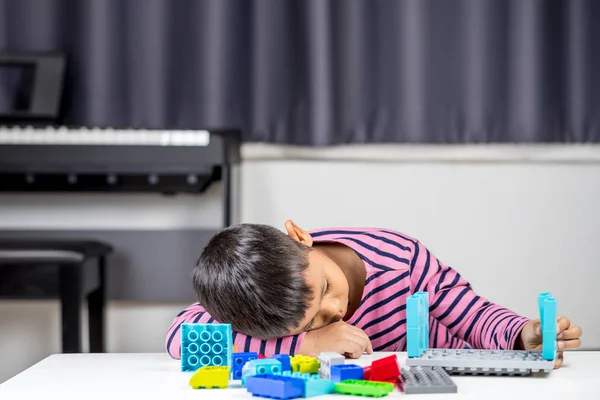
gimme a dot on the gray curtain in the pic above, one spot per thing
(322, 72)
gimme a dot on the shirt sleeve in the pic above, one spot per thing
(197, 314)
(454, 304)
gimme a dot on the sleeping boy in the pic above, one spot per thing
(343, 290)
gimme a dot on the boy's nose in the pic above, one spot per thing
(332, 310)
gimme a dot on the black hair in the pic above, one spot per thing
(252, 277)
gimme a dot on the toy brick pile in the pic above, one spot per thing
(208, 351)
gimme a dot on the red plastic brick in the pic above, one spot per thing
(368, 373)
(385, 369)
(399, 384)
(261, 356)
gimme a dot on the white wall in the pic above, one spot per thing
(513, 221)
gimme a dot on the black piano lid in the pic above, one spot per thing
(34, 84)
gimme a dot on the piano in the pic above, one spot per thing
(112, 160)
(39, 154)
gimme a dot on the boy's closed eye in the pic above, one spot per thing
(326, 289)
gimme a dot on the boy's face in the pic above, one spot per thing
(330, 293)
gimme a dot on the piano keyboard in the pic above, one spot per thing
(102, 137)
(114, 160)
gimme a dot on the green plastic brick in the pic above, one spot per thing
(364, 388)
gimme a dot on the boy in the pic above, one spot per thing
(343, 290)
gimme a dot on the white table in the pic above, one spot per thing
(156, 376)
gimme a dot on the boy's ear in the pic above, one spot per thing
(297, 233)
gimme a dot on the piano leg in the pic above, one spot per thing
(70, 298)
(96, 301)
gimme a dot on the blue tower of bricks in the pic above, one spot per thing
(547, 306)
(205, 345)
(417, 324)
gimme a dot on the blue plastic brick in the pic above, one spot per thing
(300, 375)
(239, 359)
(275, 386)
(412, 326)
(417, 324)
(260, 367)
(205, 345)
(313, 385)
(547, 306)
(344, 372)
(424, 336)
(284, 359)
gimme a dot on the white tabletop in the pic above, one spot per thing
(157, 376)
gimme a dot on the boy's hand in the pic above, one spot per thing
(339, 337)
(568, 337)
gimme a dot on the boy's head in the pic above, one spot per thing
(268, 284)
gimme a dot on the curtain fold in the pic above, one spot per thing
(325, 72)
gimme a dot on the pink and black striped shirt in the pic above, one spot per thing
(397, 266)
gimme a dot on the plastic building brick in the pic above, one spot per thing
(235, 348)
(313, 385)
(326, 360)
(239, 360)
(385, 370)
(275, 386)
(344, 372)
(424, 337)
(547, 306)
(284, 359)
(301, 375)
(487, 362)
(302, 363)
(210, 377)
(247, 370)
(400, 384)
(260, 367)
(261, 356)
(422, 380)
(412, 326)
(483, 362)
(204, 345)
(417, 324)
(364, 388)
(367, 373)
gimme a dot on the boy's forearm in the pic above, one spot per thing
(197, 314)
(495, 328)
(285, 345)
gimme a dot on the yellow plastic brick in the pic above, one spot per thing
(210, 377)
(304, 364)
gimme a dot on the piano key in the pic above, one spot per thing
(97, 136)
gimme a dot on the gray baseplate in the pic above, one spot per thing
(483, 362)
(423, 380)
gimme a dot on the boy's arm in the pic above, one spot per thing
(452, 302)
(197, 314)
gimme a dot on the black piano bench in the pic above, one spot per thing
(81, 270)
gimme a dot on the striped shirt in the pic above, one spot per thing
(396, 267)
